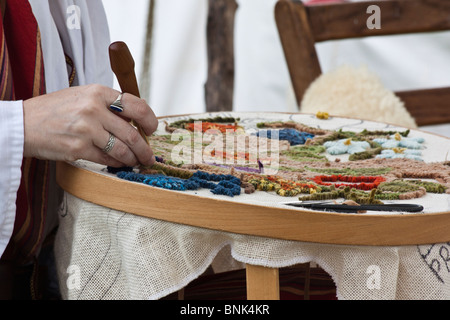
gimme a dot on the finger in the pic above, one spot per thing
(118, 151)
(128, 135)
(138, 110)
(100, 157)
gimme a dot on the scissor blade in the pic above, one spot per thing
(355, 208)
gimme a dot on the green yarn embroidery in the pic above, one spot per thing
(169, 170)
(305, 153)
(392, 190)
(351, 171)
(368, 154)
(347, 193)
(398, 186)
(402, 186)
(284, 187)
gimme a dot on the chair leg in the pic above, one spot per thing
(180, 294)
(262, 283)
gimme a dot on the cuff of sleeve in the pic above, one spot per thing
(11, 142)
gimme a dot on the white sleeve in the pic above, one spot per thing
(11, 154)
(78, 28)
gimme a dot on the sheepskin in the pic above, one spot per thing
(355, 92)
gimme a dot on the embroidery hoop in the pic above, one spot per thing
(250, 219)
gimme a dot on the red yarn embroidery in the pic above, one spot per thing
(362, 183)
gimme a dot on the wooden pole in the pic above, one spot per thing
(145, 76)
(219, 87)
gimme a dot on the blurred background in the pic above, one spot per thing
(175, 70)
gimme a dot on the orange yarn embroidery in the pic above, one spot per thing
(230, 156)
(212, 126)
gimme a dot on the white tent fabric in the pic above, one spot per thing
(179, 63)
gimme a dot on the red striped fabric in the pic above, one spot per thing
(22, 77)
(6, 83)
(232, 285)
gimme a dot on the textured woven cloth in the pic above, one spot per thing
(106, 254)
(121, 256)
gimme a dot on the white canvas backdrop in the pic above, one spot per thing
(179, 63)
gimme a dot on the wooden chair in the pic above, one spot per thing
(300, 27)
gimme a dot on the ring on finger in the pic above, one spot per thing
(117, 104)
(110, 144)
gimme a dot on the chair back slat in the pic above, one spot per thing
(427, 106)
(349, 20)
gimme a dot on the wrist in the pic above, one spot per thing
(27, 136)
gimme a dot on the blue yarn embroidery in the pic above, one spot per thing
(227, 188)
(294, 137)
(410, 143)
(406, 154)
(227, 184)
(346, 146)
(216, 177)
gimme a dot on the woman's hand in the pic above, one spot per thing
(76, 123)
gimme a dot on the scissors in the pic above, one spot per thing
(327, 206)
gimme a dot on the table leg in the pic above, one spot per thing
(262, 283)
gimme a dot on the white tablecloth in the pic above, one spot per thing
(106, 254)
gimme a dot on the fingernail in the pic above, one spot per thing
(150, 161)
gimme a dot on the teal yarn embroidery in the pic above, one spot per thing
(226, 184)
(158, 180)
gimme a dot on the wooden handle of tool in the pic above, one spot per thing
(122, 64)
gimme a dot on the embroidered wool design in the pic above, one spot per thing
(369, 166)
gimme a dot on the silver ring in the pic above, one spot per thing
(110, 144)
(117, 104)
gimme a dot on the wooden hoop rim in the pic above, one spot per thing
(249, 219)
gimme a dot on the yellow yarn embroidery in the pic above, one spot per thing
(322, 115)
